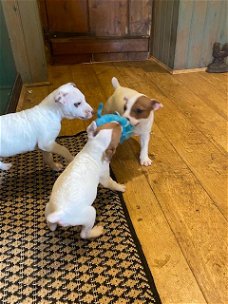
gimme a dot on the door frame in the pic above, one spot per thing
(25, 32)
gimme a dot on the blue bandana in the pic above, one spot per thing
(127, 128)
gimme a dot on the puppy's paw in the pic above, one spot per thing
(52, 226)
(93, 233)
(120, 187)
(146, 161)
(57, 167)
(4, 166)
(96, 231)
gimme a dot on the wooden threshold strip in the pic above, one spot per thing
(62, 46)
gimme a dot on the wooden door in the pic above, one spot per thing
(96, 30)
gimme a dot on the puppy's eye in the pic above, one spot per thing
(125, 108)
(77, 104)
(138, 111)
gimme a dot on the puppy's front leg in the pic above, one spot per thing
(144, 143)
(54, 147)
(111, 184)
(107, 182)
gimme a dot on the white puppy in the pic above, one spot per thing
(76, 188)
(39, 126)
(138, 109)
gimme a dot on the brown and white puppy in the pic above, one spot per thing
(76, 188)
(138, 109)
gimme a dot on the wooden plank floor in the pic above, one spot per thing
(178, 206)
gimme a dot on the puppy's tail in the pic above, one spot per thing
(115, 82)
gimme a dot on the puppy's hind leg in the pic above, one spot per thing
(87, 220)
(52, 226)
(54, 147)
(4, 166)
(48, 159)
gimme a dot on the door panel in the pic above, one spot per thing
(96, 30)
(69, 16)
(109, 18)
(140, 17)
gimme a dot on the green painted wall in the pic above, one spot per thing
(164, 30)
(200, 24)
(7, 66)
(184, 31)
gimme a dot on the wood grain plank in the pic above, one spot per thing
(108, 18)
(71, 59)
(32, 96)
(67, 16)
(140, 17)
(188, 209)
(199, 113)
(217, 81)
(149, 221)
(198, 84)
(204, 159)
(122, 56)
(67, 46)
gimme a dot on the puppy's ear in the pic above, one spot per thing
(115, 140)
(91, 129)
(73, 84)
(60, 97)
(156, 105)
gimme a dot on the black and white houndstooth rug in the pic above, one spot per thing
(43, 267)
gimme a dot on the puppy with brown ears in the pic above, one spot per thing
(138, 109)
(76, 188)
